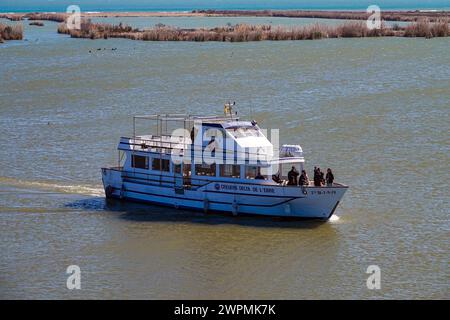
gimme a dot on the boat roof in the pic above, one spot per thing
(187, 117)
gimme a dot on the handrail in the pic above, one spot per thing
(181, 146)
(207, 181)
(184, 117)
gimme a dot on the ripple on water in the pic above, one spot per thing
(374, 110)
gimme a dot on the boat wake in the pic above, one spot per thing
(95, 191)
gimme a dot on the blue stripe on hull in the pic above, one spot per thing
(163, 204)
(212, 201)
(200, 209)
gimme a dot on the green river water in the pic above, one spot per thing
(374, 110)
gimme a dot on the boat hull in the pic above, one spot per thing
(234, 198)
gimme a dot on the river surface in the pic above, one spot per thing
(374, 110)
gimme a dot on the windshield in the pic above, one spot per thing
(241, 132)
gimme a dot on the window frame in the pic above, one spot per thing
(161, 166)
(146, 161)
(212, 167)
(233, 174)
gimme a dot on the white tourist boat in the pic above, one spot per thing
(214, 164)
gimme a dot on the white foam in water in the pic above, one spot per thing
(334, 218)
(65, 188)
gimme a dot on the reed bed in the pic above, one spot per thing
(244, 32)
(57, 17)
(12, 17)
(423, 28)
(11, 32)
(407, 16)
(97, 30)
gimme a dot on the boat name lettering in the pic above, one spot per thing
(261, 189)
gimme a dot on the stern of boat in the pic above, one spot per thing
(112, 182)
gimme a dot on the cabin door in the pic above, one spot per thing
(178, 179)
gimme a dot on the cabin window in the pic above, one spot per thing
(230, 170)
(250, 172)
(186, 169)
(139, 162)
(161, 164)
(254, 172)
(205, 169)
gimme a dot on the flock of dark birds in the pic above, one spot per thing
(98, 49)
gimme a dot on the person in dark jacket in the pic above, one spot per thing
(304, 180)
(329, 177)
(292, 176)
(317, 177)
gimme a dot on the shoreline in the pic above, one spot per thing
(421, 24)
(407, 15)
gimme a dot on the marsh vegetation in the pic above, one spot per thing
(245, 32)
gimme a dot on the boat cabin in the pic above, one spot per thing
(191, 150)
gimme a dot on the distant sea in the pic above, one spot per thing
(188, 5)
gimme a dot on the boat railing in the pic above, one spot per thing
(189, 180)
(168, 147)
(185, 117)
(186, 121)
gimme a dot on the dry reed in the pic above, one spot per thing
(407, 16)
(423, 28)
(11, 32)
(244, 32)
(57, 17)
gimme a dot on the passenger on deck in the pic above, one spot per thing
(276, 177)
(292, 177)
(304, 180)
(329, 177)
(318, 176)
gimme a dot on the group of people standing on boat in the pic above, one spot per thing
(319, 177)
